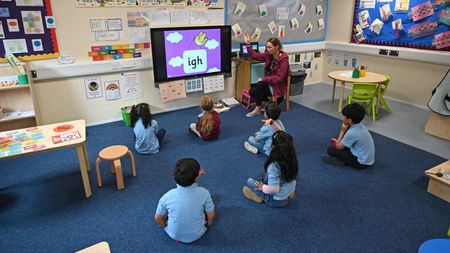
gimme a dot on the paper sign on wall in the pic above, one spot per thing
(93, 87)
(130, 85)
(112, 90)
(172, 90)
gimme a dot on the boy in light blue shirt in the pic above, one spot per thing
(261, 141)
(181, 211)
(354, 146)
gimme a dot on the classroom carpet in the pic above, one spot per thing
(385, 208)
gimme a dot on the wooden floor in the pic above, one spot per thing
(406, 123)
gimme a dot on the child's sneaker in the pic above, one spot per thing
(251, 195)
(250, 148)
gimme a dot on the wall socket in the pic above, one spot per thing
(383, 52)
(393, 53)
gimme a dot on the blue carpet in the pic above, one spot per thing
(385, 208)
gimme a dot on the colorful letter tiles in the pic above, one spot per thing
(115, 52)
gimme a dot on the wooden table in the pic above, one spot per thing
(346, 76)
(33, 140)
(439, 186)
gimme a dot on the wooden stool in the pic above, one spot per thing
(101, 247)
(113, 154)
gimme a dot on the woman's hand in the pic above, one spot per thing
(259, 79)
(246, 38)
(258, 186)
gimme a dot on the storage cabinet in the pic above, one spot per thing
(247, 72)
(19, 108)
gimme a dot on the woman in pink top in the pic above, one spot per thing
(276, 71)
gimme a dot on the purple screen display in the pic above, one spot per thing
(192, 52)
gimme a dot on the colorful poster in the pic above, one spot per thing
(138, 19)
(32, 22)
(401, 5)
(112, 90)
(422, 11)
(442, 40)
(93, 87)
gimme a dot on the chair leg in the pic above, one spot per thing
(385, 105)
(119, 177)
(97, 168)
(133, 163)
(287, 102)
(349, 99)
(374, 112)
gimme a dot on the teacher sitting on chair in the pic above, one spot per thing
(276, 71)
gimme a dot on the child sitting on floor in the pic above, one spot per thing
(354, 146)
(208, 122)
(181, 211)
(148, 137)
(262, 141)
(277, 188)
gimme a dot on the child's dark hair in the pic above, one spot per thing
(283, 152)
(273, 110)
(141, 111)
(355, 112)
(186, 171)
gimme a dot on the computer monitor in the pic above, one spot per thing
(243, 53)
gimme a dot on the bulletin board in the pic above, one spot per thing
(27, 30)
(310, 16)
(420, 24)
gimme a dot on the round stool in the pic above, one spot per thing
(113, 154)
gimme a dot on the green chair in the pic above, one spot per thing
(384, 88)
(364, 93)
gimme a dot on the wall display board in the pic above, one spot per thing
(420, 24)
(291, 21)
(27, 29)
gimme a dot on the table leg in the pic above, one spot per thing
(341, 97)
(334, 90)
(84, 168)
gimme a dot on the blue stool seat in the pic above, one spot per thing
(435, 246)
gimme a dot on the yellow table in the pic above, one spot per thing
(346, 76)
(33, 140)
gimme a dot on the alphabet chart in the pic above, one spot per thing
(213, 83)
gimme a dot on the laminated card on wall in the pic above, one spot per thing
(213, 83)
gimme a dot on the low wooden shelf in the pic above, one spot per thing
(439, 186)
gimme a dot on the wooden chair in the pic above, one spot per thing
(288, 91)
(113, 154)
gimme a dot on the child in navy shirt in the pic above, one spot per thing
(354, 146)
(148, 137)
(181, 211)
(262, 141)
